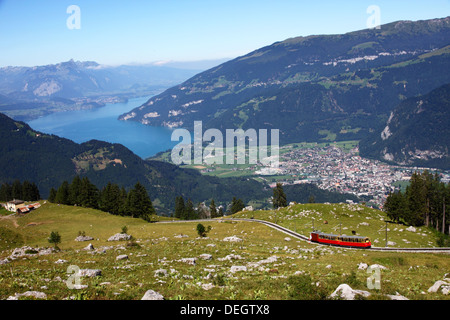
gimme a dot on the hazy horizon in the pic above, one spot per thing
(34, 33)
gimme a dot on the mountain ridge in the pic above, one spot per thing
(337, 63)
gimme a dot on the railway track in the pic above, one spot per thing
(304, 238)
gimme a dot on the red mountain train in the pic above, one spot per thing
(341, 241)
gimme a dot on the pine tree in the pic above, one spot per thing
(279, 197)
(179, 207)
(27, 191)
(5, 192)
(139, 204)
(213, 209)
(396, 207)
(35, 192)
(62, 194)
(75, 189)
(52, 195)
(89, 195)
(236, 205)
(16, 190)
(189, 212)
(123, 196)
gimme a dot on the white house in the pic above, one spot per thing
(14, 205)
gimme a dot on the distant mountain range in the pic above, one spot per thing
(29, 92)
(315, 88)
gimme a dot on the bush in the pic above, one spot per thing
(54, 238)
(443, 240)
(202, 231)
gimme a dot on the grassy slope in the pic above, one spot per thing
(408, 274)
(365, 221)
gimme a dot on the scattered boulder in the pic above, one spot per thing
(122, 257)
(90, 273)
(120, 237)
(161, 273)
(362, 266)
(397, 296)
(234, 269)
(191, 261)
(60, 261)
(435, 287)
(89, 247)
(205, 256)
(27, 251)
(230, 257)
(232, 239)
(34, 294)
(344, 291)
(207, 286)
(83, 238)
(412, 229)
(152, 295)
(377, 266)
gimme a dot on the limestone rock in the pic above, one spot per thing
(232, 239)
(120, 237)
(122, 257)
(83, 238)
(435, 287)
(34, 294)
(344, 291)
(234, 269)
(205, 256)
(90, 273)
(152, 295)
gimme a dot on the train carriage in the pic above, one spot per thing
(340, 240)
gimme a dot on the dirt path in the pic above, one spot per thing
(12, 218)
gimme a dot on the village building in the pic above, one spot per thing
(14, 205)
(19, 206)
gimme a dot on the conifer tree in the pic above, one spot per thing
(279, 197)
(213, 209)
(62, 194)
(179, 207)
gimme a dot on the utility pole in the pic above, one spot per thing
(386, 235)
(443, 216)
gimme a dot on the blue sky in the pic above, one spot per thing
(138, 31)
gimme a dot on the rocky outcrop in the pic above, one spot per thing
(152, 295)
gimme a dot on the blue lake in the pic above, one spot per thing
(102, 124)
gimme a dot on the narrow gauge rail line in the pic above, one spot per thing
(304, 238)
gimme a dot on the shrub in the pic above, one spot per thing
(54, 238)
(202, 231)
